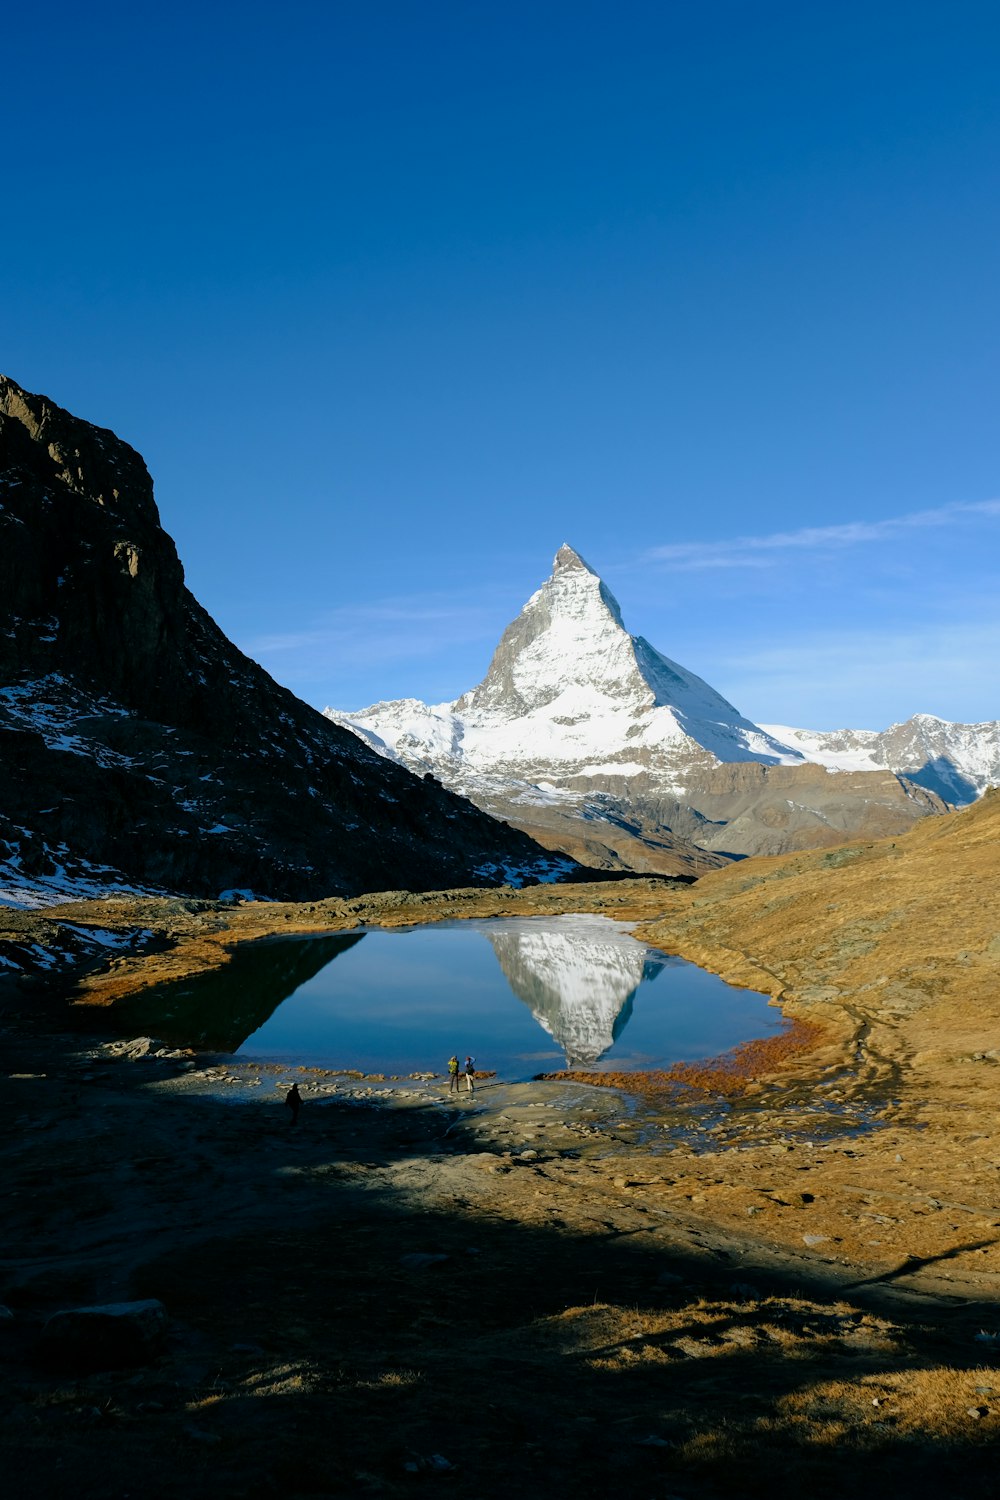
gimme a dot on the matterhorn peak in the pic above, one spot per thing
(567, 559)
(574, 588)
(587, 734)
(568, 638)
(570, 693)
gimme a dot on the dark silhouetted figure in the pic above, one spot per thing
(293, 1099)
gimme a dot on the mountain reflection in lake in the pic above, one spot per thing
(578, 984)
(403, 1001)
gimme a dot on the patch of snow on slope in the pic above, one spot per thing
(842, 750)
(69, 879)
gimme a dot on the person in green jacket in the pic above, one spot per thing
(453, 1074)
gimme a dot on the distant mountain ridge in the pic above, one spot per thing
(598, 744)
(139, 746)
(957, 761)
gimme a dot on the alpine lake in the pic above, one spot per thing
(523, 996)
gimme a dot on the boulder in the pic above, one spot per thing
(105, 1337)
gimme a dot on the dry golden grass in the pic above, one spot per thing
(728, 1076)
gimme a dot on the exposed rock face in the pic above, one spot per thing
(776, 809)
(139, 745)
(598, 745)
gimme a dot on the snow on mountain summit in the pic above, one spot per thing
(599, 745)
(570, 693)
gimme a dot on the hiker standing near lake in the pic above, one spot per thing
(470, 1074)
(293, 1101)
(453, 1073)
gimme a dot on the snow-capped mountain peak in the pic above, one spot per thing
(569, 634)
(590, 736)
(569, 645)
(570, 693)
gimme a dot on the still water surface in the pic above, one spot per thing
(523, 995)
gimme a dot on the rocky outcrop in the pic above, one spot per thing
(139, 746)
(753, 809)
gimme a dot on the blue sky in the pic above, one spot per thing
(394, 298)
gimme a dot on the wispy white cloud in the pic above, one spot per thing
(865, 678)
(765, 551)
(339, 656)
(403, 621)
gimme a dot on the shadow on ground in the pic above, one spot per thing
(338, 1333)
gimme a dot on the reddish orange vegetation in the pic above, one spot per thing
(728, 1075)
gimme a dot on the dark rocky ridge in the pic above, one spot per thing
(137, 739)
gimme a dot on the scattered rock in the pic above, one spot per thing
(106, 1337)
(137, 1046)
(815, 1239)
(199, 1435)
(432, 1463)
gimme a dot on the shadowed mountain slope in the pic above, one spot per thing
(138, 745)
